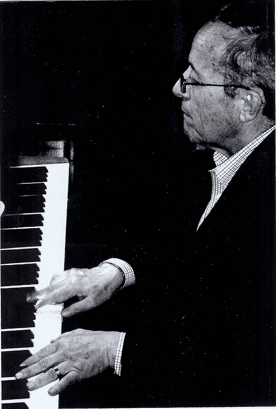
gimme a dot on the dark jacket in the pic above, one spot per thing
(209, 336)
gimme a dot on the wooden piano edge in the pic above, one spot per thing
(40, 160)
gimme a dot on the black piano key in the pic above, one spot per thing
(17, 238)
(16, 312)
(31, 204)
(15, 389)
(17, 405)
(20, 256)
(27, 175)
(10, 361)
(17, 339)
(27, 204)
(21, 220)
(22, 274)
(31, 189)
(21, 238)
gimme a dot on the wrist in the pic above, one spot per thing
(116, 276)
(125, 269)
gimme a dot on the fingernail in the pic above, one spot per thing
(65, 313)
(19, 375)
(30, 297)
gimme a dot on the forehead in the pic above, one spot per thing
(209, 45)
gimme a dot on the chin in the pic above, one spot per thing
(200, 147)
(192, 136)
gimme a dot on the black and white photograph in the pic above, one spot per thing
(137, 188)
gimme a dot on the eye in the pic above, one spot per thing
(193, 80)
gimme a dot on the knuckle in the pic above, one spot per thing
(100, 296)
(51, 374)
(73, 377)
(76, 331)
(74, 310)
(40, 354)
(75, 271)
(26, 372)
(43, 364)
(38, 383)
(54, 347)
(80, 294)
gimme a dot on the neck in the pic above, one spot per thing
(247, 134)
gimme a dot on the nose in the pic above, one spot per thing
(177, 89)
(177, 86)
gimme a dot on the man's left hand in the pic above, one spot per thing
(76, 355)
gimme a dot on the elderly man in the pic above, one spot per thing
(211, 336)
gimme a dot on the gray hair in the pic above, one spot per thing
(249, 58)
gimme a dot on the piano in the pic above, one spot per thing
(32, 250)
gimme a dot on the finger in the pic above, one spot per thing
(67, 380)
(42, 380)
(41, 366)
(58, 291)
(36, 295)
(44, 352)
(2, 208)
(79, 306)
(42, 297)
(55, 297)
(48, 377)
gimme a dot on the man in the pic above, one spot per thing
(210, 336)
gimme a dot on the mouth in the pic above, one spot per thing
(185, 113)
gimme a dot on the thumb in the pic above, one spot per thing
(77, 307)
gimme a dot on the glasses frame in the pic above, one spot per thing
(184, 83)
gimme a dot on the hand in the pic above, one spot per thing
(78, 355)
(92, 286)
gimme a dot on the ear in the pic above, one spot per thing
(251, 104)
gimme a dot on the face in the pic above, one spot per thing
(209, 116)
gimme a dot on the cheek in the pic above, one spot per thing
(210, 112)
(203, 112)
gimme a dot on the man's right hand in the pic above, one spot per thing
(91, 286)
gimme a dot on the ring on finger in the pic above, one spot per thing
(57, 371)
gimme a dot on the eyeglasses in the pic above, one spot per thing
(184, 83)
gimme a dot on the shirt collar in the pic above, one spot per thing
(227, 167)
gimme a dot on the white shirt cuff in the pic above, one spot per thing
(118, 357)
(125, 269)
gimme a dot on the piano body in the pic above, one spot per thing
(32, 250)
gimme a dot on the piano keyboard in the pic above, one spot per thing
(32, 250)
